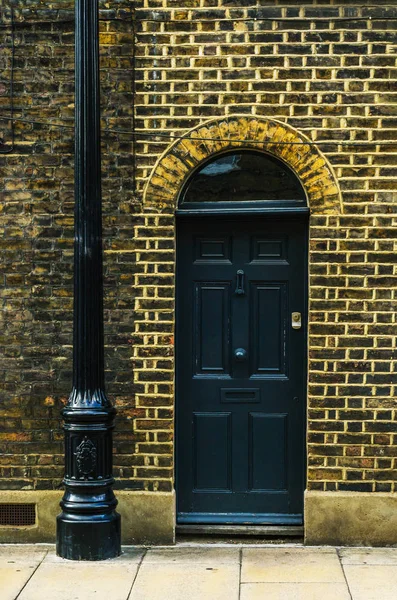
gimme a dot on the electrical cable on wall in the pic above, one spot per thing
(327, 20)
(146, 134)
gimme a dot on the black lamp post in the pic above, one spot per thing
(88, 527)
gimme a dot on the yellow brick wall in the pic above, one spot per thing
(328, 71)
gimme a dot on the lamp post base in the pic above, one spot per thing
(98, 538)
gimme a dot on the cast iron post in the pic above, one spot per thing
(88, 528)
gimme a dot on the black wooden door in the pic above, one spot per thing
(241, 369)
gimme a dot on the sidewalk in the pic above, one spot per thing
(199, 572)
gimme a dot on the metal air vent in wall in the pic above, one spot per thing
(17, 515)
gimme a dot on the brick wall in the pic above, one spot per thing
(328, 70)
(36, 217)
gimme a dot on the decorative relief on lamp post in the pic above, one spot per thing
(86, 457)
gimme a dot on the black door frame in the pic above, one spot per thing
(271, 213)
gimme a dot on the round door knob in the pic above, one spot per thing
(240, 354)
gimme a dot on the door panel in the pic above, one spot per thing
(210, 249)
(212, 451)
(268, 249)
(241, 370)
(268, 452)
(211, 322)
(268, 320)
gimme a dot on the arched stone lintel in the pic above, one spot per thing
(274, 137)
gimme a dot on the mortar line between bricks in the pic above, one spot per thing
(344, 574)
(26, 582)
(136, 574)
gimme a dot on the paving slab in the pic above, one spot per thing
(71, 580)
(34, 572)
(129, 554)
(294, 591)
(368, 556)
(292, 565)
(13, 579)
(24, 552)
(372, 582)
(179, 581)
(17, 565)
(193, 555)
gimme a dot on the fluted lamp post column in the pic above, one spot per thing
(89, 526)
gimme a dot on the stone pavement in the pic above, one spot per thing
(200, 572)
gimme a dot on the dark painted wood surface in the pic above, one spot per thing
(241, 369)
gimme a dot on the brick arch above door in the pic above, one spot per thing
(218, 135)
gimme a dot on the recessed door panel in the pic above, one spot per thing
(212, 451)
(268, 451)
(212, 328)
(268, 308)
(212, 249)
(268, 249)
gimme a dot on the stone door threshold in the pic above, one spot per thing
(242, 530)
